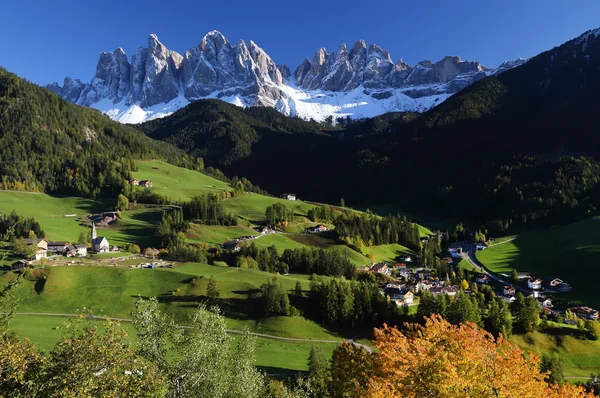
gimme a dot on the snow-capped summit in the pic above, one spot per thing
(360, 82)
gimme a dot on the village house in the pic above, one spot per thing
(401, 268)
(316, 229)
(41, 245)
(135, 182)
(545, 302)
(19, 265)
(447, 290)
(289, 196)
(482, 278)
(57, 247)
(509, 298)
(585, 312)
(523, 275)
(99, 243)
(395, 285)
(381, 268)
(481, 246)
(231, 245)
(81, 250)
(425, 285)
(405, 258)
(263, 230)
(509, 291)
(534, 283)
(145, 183)
(400, 296)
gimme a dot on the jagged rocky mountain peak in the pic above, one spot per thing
(358, 81)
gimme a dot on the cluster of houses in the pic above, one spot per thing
(43, 246)
(401, 291)
(585, 312)
(235, 244)
(142, 183)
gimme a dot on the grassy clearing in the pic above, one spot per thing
(252, 207)
(581, 357)
(176, 182)
(387, 253)
(112, 291)
(466, 265)
(273, 356)
(50, 211)
(569, 252)
(215, 234)
(136, 226)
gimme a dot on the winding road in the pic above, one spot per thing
(231, 331)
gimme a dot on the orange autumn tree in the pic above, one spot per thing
(441, 360)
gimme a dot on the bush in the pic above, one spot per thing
(220, 264)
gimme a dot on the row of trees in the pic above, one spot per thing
(14, 225)
(369, 230)
(484, 309)
(278, 213)
(304, 261)
(208, 209)
(349, 303)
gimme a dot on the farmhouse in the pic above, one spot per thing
(316, 229)
(523, 275)
(400, 296)
(144, 183)
(232, 245)
(289, 196)
(534, 283)
(381, 268)
(57, 246)
(18, 265)
(509, 291)
(585, 312)
(81, 250)
(39, 242)
(508, 298)
(447, 290)
(263, 230)
(99, 243)
(41, 247)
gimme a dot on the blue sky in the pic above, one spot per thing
(44, 41)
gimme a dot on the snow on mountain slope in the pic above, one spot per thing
(359, 83)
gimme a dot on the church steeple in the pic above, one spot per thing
(93, 231)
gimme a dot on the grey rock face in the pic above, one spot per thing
(217, 68)
(157, 74)
(285, 71)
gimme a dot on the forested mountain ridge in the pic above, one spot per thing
(504, 152)
(51, 145)
(223, 133)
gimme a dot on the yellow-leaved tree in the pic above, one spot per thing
(441, 360)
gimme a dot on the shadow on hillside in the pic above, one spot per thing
(279, 373)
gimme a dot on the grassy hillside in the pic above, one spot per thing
(176, 182)
(113, 290)
(50, 211)
(273, 356)
(252, 207)
(48, 144)
(581, 357)
(569, 252)
(136, 226)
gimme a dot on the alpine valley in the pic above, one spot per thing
(358, 83)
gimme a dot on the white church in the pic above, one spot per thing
(99, 243)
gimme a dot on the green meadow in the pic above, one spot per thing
(175, 182)
(273, 356)
(570, 252)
